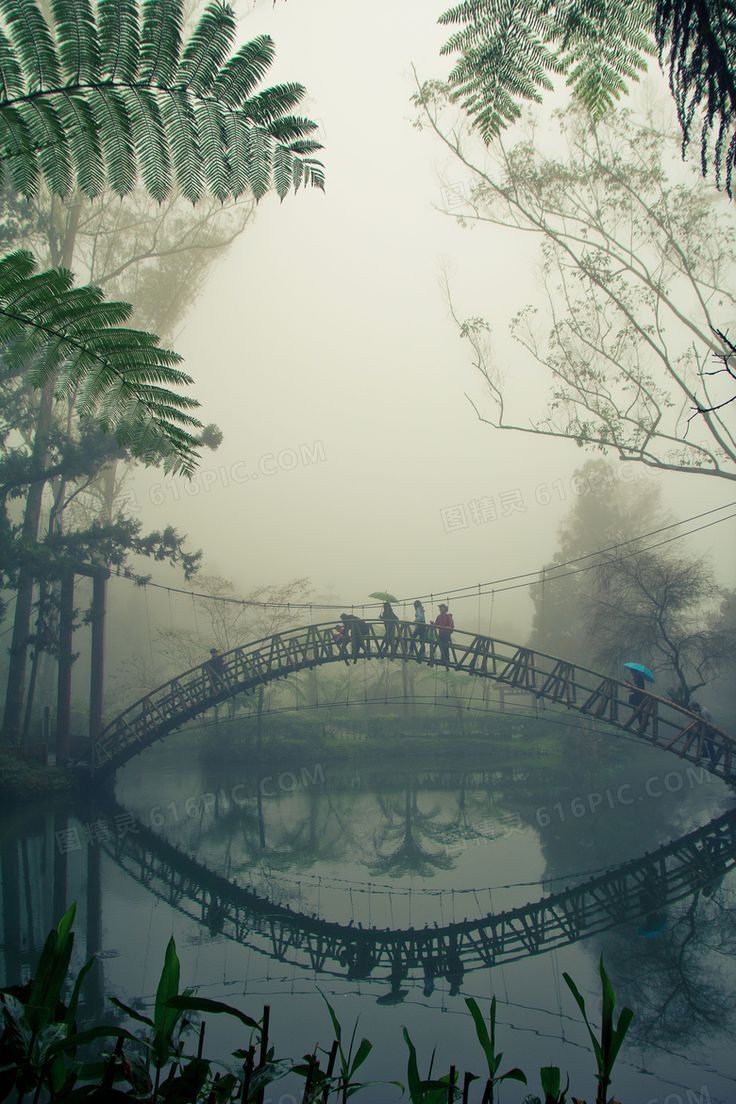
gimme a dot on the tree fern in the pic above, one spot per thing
(509, 50)
(122, 377)
(78, 45)
(697, 43)
(106, 94)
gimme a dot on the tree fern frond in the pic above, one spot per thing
(77, 39)
(79, 126)
(313, 173)
(510, 61)
(236, 138)
(305, 145)
(207, 48)
(270, 104)
(240, 75)
(33, 43)
(120, 377)
(297, 173)
(120, 39)
(258, 145)
(149, 139)
(48, 139)
(181, 130)
(283, 162)
(210, 129)
(510, 48)
(127, 101)
(11, 74)
(160, 41)
(289, 127)
(604, 46)
(697, 45)
(17, 152)
(116, 139)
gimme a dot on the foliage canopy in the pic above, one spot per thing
(122, 377)
(510, 50)
(104, 95)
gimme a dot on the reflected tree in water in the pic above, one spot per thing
(675, 974)
(402, 834)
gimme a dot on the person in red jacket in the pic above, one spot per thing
(444, 625)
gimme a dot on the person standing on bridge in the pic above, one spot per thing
(390, 621)
(706, 719)
(215, 667)
(420, 629)
(444, 624)
(357, 632)
(636, 697)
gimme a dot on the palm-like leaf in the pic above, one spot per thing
(106, 93)
(510, 48)
(119, 376)
(697, 41)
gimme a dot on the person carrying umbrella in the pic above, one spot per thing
(388, 615)
(639, 675)
(390, 620)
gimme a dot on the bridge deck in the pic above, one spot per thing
(654, 720)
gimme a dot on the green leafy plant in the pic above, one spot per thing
(72, 338)
(510, 50)
(612, 1035)
(99, 95)
(350, 1063)
(551, 1085)
(39, 1040)
(427, 1090)
(487, 1040)
(166, 1017)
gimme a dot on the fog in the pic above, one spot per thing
(323, 347)
(272, 803)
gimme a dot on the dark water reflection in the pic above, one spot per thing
(323, 853)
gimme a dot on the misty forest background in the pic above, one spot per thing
(137, 143)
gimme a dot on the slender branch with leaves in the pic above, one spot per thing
(637, 273)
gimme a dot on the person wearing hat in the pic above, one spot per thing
(444, 624)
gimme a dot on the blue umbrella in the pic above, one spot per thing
(641, 669)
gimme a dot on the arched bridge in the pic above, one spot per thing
(626, 893)
(652, 719)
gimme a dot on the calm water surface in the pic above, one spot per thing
(326, 851)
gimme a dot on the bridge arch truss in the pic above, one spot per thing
(652, 719)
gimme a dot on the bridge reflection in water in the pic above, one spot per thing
(629, 892)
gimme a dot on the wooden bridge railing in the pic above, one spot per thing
(653, 719)
(624, 894)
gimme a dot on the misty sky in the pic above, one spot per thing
(324, 336)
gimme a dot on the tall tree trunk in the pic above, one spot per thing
(62, 254)
(16, 686)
